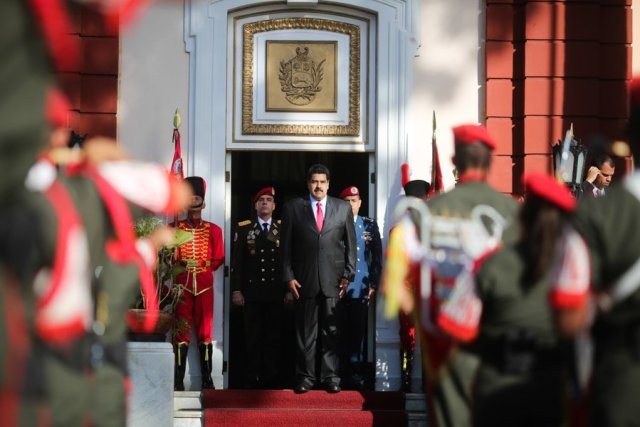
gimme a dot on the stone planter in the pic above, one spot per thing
(136, 318)
(151, 372)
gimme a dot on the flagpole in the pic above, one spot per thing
(436, 172)
(177, 166)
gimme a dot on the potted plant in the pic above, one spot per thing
(168, 293)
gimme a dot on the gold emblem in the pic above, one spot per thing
(300, 77)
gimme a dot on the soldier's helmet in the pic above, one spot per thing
(198, 185)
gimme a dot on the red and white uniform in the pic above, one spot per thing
(195, 308)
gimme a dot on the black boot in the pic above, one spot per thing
(180, 366)
(407, 369)
(206, 365)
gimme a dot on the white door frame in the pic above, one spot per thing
(206, 38)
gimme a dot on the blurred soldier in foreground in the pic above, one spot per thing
(597, 287)
(521, 379)
(451, 372)
(61, 349)
(459, 229)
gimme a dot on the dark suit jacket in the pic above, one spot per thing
(587, 189)
(256, 263)
(318, 260)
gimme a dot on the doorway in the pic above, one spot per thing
(286, 171)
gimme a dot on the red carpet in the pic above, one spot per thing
(248, 408)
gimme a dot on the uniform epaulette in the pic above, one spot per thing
(367, 219)
(243, 223)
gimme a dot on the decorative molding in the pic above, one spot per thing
(249, 30)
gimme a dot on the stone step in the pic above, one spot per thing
(188, 418)
(417, 419)
(415, 402)
(187, 400)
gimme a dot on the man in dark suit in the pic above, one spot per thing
(599, 176)
(319, 257)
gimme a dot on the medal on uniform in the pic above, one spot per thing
(251, 242)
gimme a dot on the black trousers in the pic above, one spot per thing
(353, 329)
(313, 314)
(263, 325)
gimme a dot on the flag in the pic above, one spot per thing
(437, 185)
(177, 164)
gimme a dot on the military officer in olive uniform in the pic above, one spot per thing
(360, 293)
(256, 285)
(607, 264)
(65, 346)
(450, 373)
(523, 369)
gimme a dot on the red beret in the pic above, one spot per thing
(351, 190)
(468, 134)
(550, 189)
(266, 191)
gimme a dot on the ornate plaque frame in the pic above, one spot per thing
(352, 128)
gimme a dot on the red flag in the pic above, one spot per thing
(176, 164)
(437, 185)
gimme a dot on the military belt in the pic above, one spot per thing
(519, 355)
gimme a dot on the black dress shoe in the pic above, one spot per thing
(301, 388)
(332, 387)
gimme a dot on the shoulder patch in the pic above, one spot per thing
(243, 223)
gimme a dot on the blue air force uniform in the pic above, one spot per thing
(355, 301)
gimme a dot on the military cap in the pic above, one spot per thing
(471, 133)
(266, 191)
(550, 189)
(198, 185)
(351, 190)
(412, 182)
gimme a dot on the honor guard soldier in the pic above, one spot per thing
(360, 292)
(597, 289)
(523, 363)
(201, 256)
(451, 373)
(64, 353)
(257, 286)
(415, 185)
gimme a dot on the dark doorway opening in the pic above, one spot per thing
(253, 170)
(286, 171)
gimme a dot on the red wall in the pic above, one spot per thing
(93, 87)
(550, 64)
